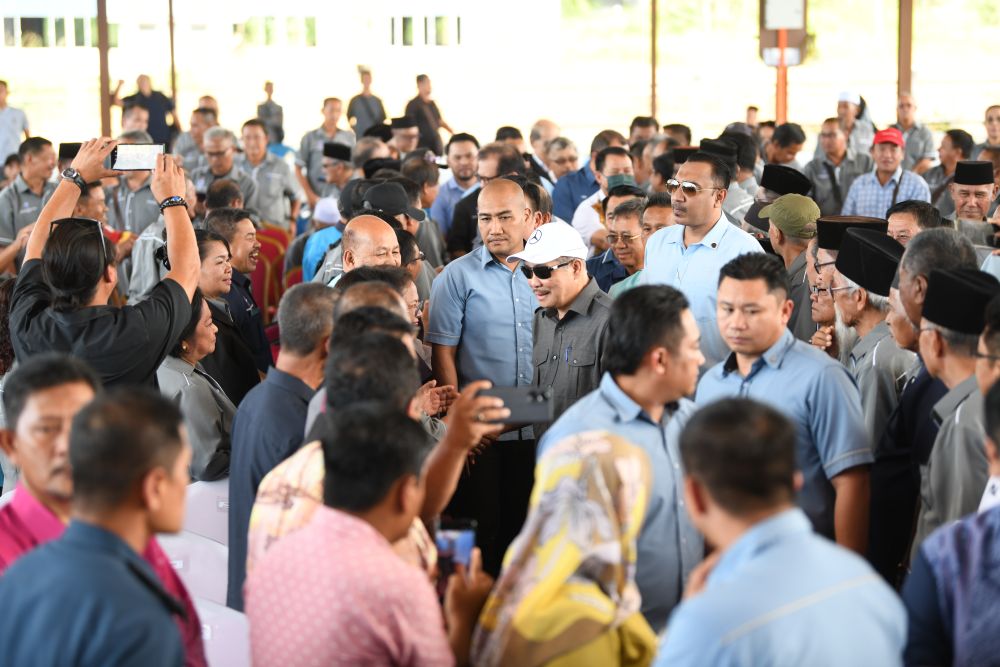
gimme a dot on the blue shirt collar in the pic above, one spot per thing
(714, 237)
(773, 356)
(625, 408)
(289, 383)
(758, 540)
(589, 174)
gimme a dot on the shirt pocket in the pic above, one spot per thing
(544, 363)
(583, 370)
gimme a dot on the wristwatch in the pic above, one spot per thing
(71, 174)
(172, 201)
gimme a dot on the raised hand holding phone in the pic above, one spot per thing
(89, 162)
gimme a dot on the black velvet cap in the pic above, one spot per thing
(682, 153)
(337, 151)
(957, 299)
(403, 122)
(377, 163)
(784, 180)
(830, 229)
(973, 172)
(380, 131)
(869, 258)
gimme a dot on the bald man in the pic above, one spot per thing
(919, 153)
(368, 241)
(480, 323)
(542, 132)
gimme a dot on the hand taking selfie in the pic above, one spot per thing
(467, 592)
(470, 415)
(168, 179)
(90, 160)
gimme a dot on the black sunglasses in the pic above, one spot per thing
(87, 223)
(543, 272)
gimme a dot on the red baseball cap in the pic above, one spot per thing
(889, 135)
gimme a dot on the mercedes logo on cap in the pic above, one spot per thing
(535, 237)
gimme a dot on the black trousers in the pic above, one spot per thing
(494, 491)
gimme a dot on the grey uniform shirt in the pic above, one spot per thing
(202, 177)
(146, 270)
(310, 155)
(823, 183)
(738, 202)
(801, 323)
(185, 146)
(20, 207)
(274, 183)
(332, 266)
(132, 211)
(880, 368)
(271, 113)
(953, 479)
(919, 144)
(568, 354)
(938, 183)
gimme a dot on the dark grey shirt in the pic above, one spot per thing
(202, 177)
(132, 210)
(938, 183)
(818, 171)
(569, 353)
(801, 323)
(919, 144)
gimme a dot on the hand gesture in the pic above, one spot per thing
(90, 160)
(434, 400)
(466, 593)
(699, 575)
(823, 338)
(168, 179)
(470, 415)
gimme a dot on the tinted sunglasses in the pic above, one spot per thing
(543, 272)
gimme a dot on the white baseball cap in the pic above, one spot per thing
(550, 242)
(326, 211)
(850, 96)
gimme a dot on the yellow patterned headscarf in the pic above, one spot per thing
(567, 593)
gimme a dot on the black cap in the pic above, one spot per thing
(830, 229)
(403, 122)
(377, 163)
(721, 147)
(682, 153)
(69, 151)
(337, 151)
(784, 180)
(380, 131)
(752, 216)
(957, 299)
(869, 258)
(974, 172)
(391, 198)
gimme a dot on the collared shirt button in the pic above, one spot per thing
(553, 357)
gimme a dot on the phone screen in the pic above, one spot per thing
(455, 540)
(135, 157)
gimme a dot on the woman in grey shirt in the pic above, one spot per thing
(208, 412)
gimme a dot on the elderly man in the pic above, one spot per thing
(872, 194)
(956, 145)
(835, 169)
(337, 168)
(575, 186)
(627, 242)
(605, 267)
(688, 256)
(310, 157)
(612, 167)
(562, 157)
(480, 324)
(919, 153)
(792, 220)
(220, 155)
(277, 194)
(21, 202)
(368, 241)
(973, 190)
(866, 265)
(542, 133)
(571, 320)
(909, 218)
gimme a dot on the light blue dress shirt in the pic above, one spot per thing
(487, 311)
(316, 247)
(443, 208)
(694, 270)
(669, 546)
(822, 400)
(781, 595)
(870, 198)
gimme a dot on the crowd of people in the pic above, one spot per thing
(770, 387)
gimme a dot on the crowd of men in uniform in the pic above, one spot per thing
(772, 384)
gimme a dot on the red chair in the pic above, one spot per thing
(293, 277)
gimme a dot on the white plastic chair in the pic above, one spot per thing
(226, 634)
(201, 563)
(208, 510)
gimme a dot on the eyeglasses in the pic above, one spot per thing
(826, 290)
(992, 357)
(613, 239)
(687, 187)
(543, 272)
(485, 179)
(419, 258)
(819, 265)
(215, 154)
(87, 223)
(565, 160)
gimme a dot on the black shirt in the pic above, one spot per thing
(464, 224)
(428, 122)
(123, 345)
(248, 319)
(158, 105)
(232, 363)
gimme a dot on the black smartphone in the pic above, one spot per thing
(135, 157)
(69, 151)
(455, 539)
(527, 405)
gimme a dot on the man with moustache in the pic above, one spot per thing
(973, 190)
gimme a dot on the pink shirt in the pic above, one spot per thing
(26, 523)
(335, 593)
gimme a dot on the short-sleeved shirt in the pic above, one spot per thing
(20, 207)
(588, 218)
(919, 144)
(801, 322)
(13, 125)
(669, 546)
(868, 197)
(606, 270)
(569, 352)
(428, 119)
(694, 270)
(443, 208)
(572, 189)
(316, 248)
(132, 210)
(782, 596)
(271, 113)
(367, 111)
(625, 285)
(274, 184)
(366, 606)
(202, 177)
(87, 598)
(123, 345)
(821, 399)
(310, 155)
(938, 182)
(158, 105)
(826, 187)
(267, 430)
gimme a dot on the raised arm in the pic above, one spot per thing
(182, 248)
(89, 162)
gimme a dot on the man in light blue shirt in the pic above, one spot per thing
(873, 194)
(480, 328)
(775, 593)
(463, 161)
(818, 394)
(689, 254)
(652, 360)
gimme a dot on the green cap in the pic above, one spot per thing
(795, 215)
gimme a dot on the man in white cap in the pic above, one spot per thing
(855, 121)
(329, 230)
(572, 317)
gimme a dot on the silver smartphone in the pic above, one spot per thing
(135, 157)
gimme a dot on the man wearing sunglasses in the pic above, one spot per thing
(570, 324)
(688, 255)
